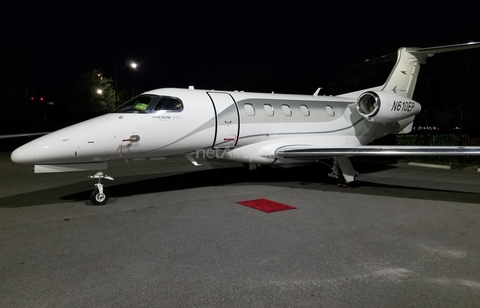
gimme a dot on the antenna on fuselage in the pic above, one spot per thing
(317, 92)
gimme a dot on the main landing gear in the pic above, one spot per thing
(99, 195)
(343, 170)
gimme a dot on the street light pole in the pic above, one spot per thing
(132, 65)
(116, 85)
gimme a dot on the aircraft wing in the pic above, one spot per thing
(299, 151)
(22, 135)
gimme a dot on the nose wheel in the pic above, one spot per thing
(99, 195)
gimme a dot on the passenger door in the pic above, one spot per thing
(226, 119)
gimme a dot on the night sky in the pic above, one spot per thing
(289, 47)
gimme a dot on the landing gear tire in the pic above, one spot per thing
(98, 198)
(99, 195)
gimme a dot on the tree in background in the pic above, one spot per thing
(358, 76)
(126, 94)
(450, 85)
(95, 92)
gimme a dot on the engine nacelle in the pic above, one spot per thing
(382, 107)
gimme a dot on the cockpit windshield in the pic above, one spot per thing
(137, 104)
(148, 103)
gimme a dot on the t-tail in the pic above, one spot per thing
(392, 101)
(403, 78)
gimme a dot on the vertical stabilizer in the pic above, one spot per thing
(403, 78)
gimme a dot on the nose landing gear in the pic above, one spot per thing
(99, 195)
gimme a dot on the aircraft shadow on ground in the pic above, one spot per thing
(314, 177)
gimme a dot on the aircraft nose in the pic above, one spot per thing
(74, 144)
(24, 155)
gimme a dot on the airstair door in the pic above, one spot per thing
(227, 120)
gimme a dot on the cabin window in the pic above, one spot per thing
(137, 104)
(169, 104)
(268, 110)
(305, 111)
(249, 109)
(330, 110)
(287, 110)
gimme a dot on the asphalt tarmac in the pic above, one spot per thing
(173, 235)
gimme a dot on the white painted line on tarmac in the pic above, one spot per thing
(429, 165)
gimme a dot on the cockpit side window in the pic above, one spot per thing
(137, 104)
(169, 104)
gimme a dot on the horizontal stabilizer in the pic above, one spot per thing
(430, 51)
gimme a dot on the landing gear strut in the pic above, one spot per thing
(99, 195)
(343, 170)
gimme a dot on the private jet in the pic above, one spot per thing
(257, 129)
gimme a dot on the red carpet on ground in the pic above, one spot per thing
(266, 206)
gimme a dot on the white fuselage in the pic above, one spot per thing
(246, 127)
